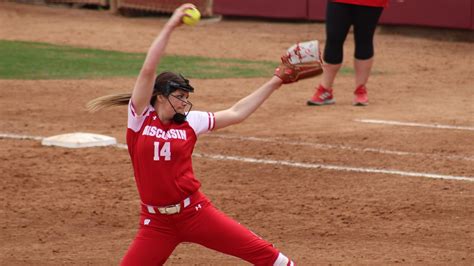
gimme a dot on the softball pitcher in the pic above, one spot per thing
(161, 135)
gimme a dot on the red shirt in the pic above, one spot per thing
(161, 154)
(377, 3)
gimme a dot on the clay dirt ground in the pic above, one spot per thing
(63, 206)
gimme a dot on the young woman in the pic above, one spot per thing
(161, 135)
(340, 15)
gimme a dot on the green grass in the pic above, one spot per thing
(29, 60)
(32, 60)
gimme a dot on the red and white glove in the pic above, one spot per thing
(301, 61)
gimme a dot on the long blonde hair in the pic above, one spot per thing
(108, 101)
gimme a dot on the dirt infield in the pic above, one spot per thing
(348, 192)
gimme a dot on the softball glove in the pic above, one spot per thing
(301, 61)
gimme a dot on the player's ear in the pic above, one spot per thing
(160, 98)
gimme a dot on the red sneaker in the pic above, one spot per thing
(360, 96)
(322, 96)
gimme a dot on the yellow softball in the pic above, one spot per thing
(192, 16)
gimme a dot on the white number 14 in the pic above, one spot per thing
(164, 152)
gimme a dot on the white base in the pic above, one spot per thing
(79, 140)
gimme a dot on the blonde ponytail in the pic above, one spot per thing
(108, 101)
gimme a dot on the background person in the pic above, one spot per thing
(340, 15)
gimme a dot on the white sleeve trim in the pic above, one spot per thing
(135, 121)
(201, 122)
(212, 121)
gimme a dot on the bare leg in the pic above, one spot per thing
(362, 71)
(329, 74)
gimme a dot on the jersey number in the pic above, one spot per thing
(164, 152)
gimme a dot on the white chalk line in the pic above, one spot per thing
(290, 163)
(331, 167)
(340, 147)
(411, 124)
(16, 136)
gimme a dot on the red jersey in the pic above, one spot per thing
(161, 154)
(377, 3)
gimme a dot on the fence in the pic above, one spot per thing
(437, 13)
(165, 6)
